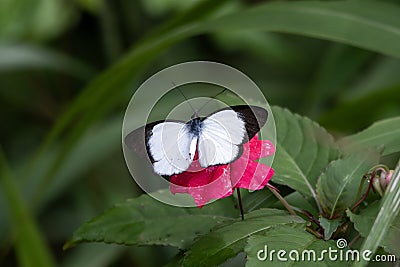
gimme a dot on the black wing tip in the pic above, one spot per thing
(254, 117)
(129, 140)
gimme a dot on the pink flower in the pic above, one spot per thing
(216, 182)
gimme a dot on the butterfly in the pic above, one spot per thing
(171, 145)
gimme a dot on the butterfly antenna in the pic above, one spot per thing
(187, 100)
(240, 203)
(211, 99)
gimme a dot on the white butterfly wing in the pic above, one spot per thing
(172, 147)
(220, 137)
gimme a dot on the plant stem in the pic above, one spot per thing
(311, 217)
(355, 239)
(372, 176)
(360, 187)
(283, 201)
(315, 233)
(240, 203)
(364, 196)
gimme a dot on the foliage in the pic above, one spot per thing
(338, 179)
(68, 69)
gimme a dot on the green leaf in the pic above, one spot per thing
(288, 239)
(260, 198)
(337, 186)
(269, 47)
(146, 221)
(37, 20)
(384, 132)
(304, 149)
(95, 145)
(176, 260)
(159, 8)
(16, 57)
(329, 226)
(30, 246)
(373, 25)
(388, 211)
(358, 111)
(383, 74)
(227, 241)
(364, 221)
(298, 202)
(339, 65)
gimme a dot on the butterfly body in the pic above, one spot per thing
(195, 126)
(217, 138)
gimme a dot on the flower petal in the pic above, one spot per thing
(215, 182)
(211, 183)
(255, 177)
(255, 148)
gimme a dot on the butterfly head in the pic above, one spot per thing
(195, 115)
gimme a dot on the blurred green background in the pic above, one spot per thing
(69, 68)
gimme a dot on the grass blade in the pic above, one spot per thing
(30, 246)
